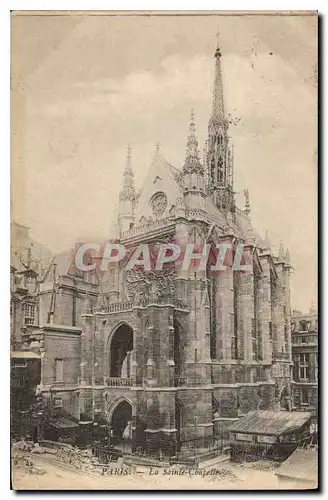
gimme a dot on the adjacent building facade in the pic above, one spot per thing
(304, 329)
(174, 355)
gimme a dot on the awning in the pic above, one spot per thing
(24, 355)
(63, 423)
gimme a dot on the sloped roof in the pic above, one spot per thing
(239, 222)
(63, 423)
(63, 262)
(161, 177)
(246, 229)
(302, 465)
(270, 422)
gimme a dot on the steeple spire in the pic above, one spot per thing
(193, 170)
(192, 161)
(219, 158)
(127, 197)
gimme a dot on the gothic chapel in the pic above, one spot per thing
(178, 355)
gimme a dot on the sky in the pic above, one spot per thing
(84, 87)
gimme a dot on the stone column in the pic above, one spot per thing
(279, 307)
(265, 309)
(225, 305)
(246, 307)
(87, 341)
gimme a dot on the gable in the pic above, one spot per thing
(160, 192)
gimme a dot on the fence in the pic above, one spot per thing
(106, 455)
(191, 450)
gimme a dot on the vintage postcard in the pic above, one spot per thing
(164, 326)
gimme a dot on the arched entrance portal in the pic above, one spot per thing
(121, 431)
(120, 347)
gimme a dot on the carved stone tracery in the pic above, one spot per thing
(158, 203)
(150, 287)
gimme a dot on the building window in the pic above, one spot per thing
(58, 402)
(31, 284)
(270, 331)
(304, 366)
(29, 313)
(59, 370)
(304, 396)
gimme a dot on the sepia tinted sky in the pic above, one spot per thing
(84, 87)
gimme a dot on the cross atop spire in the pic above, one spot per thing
(192, 160)
(218, 43)
(218, 112)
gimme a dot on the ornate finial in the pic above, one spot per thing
(281, 253)
(128, 190)
(128, 169)
(247, 209)
(287, 256)
(158, 147)
(192, 153)
(218, 51)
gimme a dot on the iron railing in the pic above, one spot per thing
(118, 382)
